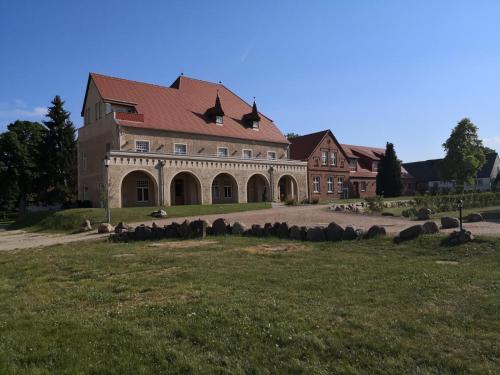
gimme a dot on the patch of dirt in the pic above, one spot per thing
(278, 248)
(449, 262)
(183, 244)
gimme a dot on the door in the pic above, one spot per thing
(179, 192)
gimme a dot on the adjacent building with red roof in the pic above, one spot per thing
(193, 142)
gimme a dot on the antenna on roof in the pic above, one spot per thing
(182, 73)
(220, 82)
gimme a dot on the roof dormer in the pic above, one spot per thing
(215, 113)
(252, 119)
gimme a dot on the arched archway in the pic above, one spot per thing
(138, 188)
(258, 189)
(185, 188)
(287, 188)
(224, 189)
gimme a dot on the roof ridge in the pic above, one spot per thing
(311, 134)
(130, 80)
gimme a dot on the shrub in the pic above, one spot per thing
(442, 203)
(409, 212)
(291, 202)
(315, 200)
(375, 204)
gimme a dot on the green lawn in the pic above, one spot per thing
(242, 305)
(489, 213)
(70, 220)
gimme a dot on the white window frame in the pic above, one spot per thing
(316, 184)
(217, 120)
(361, 184)
(243, 153)
(215, 190)
(219, 154)
(334, 158)
(324, 157)
(143, 188)
(330, 183)
(180, 144)
(255, 125)
(143, 141)
(228, 189)
(340, 183)
(269, 153)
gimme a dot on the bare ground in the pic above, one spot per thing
(302, 215)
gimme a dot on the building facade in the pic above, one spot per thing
(193, 142)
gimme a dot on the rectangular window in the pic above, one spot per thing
(363, 186)
(255, 125)
(330, 184)
(215, 190)
(334, 158)
(375, 166)
(142, 190)
(316, 184)
(247, 154)
(222, 152)
(142, 146)
(353, 164)
(219, 120)
(85, 192)
(100, 110)
(324, 157)
(180, 149)
(340, 183)
(271, 155)
(228, 189)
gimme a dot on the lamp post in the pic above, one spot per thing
(107, 162)
(460, 205)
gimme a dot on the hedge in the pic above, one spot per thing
(443, 203)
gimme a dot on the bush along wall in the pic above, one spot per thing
(443, 203)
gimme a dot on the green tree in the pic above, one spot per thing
(464, 154)
(389, 174)
(59, 147)
(292, 135)
(20, 164)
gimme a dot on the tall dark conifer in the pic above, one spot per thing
(389, 174)
(59, 154)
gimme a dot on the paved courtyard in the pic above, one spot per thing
(302, 215)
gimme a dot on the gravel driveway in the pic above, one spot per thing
(302, 215)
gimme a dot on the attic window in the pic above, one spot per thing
(255, 125)
(219, 119)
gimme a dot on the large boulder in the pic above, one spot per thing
(238, 228)
(334, 232)
(219, 227)
(257, 230)
(123, 227)
(474, 218)
(351, 233)
(171, 230)
(315, 234)
(294, 233)
(198, 228)
(185, 229)
(86, 226)
(267, 231)
(449, 222)
(430, 227)
(161, 214)
(459, 238)
(282, 230)
(410, 233)
(423, 214)
(142, 232)
(105, 228)
(375, 231)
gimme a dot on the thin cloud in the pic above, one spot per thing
(36, 112)
(493, 141)
(246, 53)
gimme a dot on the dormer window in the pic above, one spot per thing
(219, 119)
(255, 125)
(251, 120)
(215, 113)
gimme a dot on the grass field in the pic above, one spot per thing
(70, 220)
(489, 213)
(246, 305)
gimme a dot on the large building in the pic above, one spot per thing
(193, 142)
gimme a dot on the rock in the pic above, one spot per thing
(459, 238)
(161, 214)
(267, 230)
(334, 232)
(198, 228)
(387, 214)
(350, 233)
(375, 231)
(423, 214)
(238, 229)
(256, 230)
(474, 218)
(430, 227)
(185, 229)
(142, 233)
(105, 228)
(449, 222)
(294, 233)
(315, 234)
(282, 230)
(171, 230)
(219, 227)
(410, 233)
(122, 227)
(86, 226)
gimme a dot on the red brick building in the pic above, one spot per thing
(327, 164)
(363, 169)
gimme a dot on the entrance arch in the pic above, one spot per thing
(185, 188)
(138, 188)
(224, 189)
(258, 189)
(287, 188)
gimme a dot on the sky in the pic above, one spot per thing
(371, 71)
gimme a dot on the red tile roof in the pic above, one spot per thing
(181, 107)
(374, 153)
(302, 147)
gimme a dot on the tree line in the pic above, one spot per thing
(38, 161)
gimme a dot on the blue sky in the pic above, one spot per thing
(372, 71)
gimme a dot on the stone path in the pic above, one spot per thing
(302, 215)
